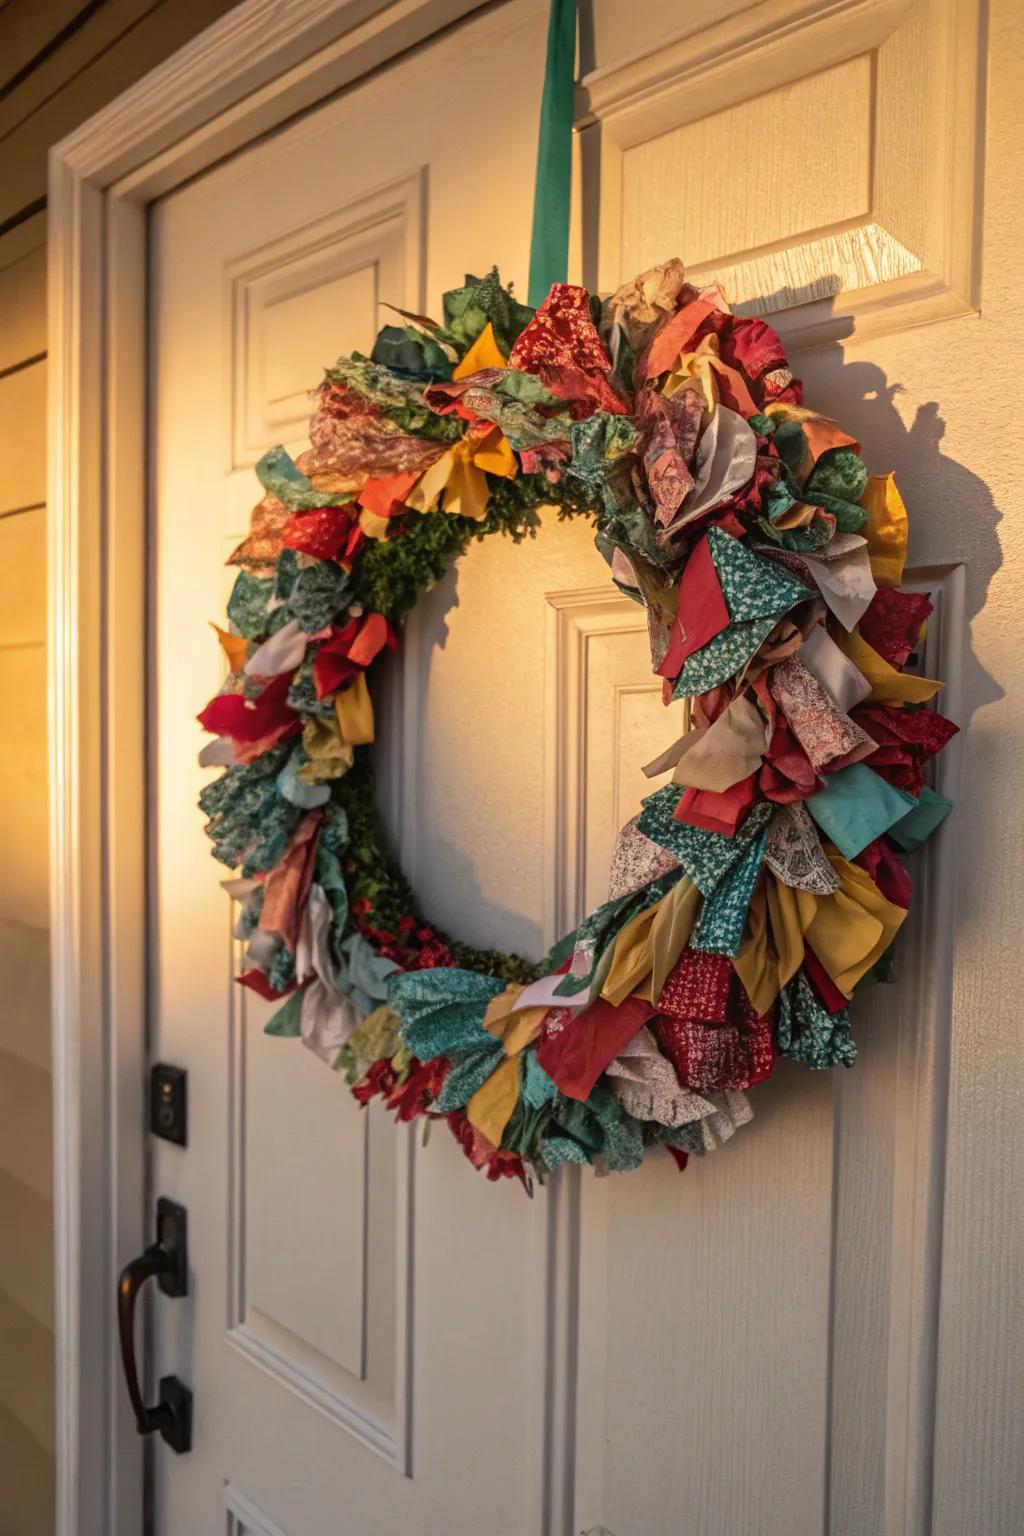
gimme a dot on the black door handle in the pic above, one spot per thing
(165, 1261)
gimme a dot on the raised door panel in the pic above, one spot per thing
(803, 157)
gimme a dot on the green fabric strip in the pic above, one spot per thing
(549, 245)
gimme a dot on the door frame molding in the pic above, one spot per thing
(259, 65)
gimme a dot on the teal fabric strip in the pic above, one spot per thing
(549, 246)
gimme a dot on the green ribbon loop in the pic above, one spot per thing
(549, 246)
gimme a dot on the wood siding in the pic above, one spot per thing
(60, 61)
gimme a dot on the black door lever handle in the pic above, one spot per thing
(165, 1261)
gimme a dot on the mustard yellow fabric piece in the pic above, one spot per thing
(490, 1108)
(631, 963)
(516, 1028)
(670, 933)
(887, 685)
(484, 353)
(500, 1008)
(233, 647)
(354, 709)
(457, 480)
(854, 926)
(848, 930)
(697, 368)
(650, 944)
(373, 525)
(886, 530)
(773, 943)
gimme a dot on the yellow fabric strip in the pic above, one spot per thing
(516, 1028)
(848, 931)
(773, 943)
(354, 709)
(494, 455)
(490, 1108)
(373, 525)
(853, 927)
(499, 1008)
(650, 944)
(631, 957)
(426, 493)
(458, 476)
(233, 646)
(484, 353)
(887, 685)
(886, 529)
(670, 932)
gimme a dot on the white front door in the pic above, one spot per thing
(379, 1340)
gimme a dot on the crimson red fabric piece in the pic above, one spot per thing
(562, 348)
(786, 774)
(259, 722)
(257, 981)
(892, 623)
(496, 1162)
(698, 987)
(717, 810)
(822, 985)
(350, 651)
(332, 667)
(574, 1052)
(323, 533)
(680, 1158)
(710, 1058)
(885, 869)
(906, 738)
(701, 613)
(752, 345)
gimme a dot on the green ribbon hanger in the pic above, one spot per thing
(549, 245)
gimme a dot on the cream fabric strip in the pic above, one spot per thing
(845, 684)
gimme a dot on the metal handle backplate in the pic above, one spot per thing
(165, 1261)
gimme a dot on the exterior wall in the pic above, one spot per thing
(59, 62)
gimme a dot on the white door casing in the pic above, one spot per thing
(834, 1204)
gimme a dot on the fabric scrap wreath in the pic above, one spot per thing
(755, 892)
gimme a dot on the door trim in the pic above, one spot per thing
(258, 66)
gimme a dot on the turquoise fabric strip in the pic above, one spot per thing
(549, 246)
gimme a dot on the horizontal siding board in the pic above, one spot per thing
(23, 292)
(24, 146)
(25, 989)
(24, 825)
(27, 28)
(100, 33)
(27, 1478)
(26, 1370)
(23, 438)
(26, 1253)
(26, 1123)
(23, 578)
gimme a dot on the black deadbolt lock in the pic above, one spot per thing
(168, 1103)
